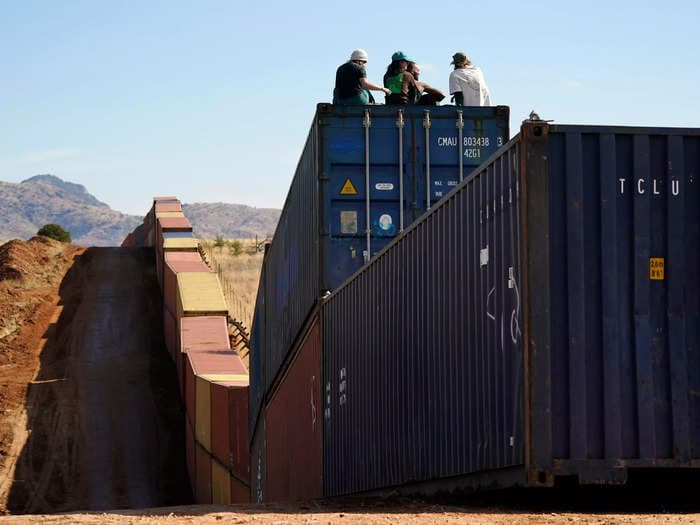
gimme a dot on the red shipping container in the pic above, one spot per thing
(174, 224)
(293, 421)
(190, 454)
(240, 493)
(229, 427)
(168, 206)
(204, 333)
(170, 332)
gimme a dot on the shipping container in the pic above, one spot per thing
(199, 294)
(161, 207)
(240, 492)
(204, 368)
(204, 333)
(294, 422)
(365, 174)
(174, 263)
(229, 430)
(190, 455)
(220, 484)
(258, 476)
(541, 321)
(175, 224)
(203, 478)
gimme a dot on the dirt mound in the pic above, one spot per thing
(31, 273)
(34, 259)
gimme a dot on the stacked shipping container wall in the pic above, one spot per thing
(366, 173)
(540, 321)
(213, 380)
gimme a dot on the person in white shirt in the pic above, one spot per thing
(467, 83)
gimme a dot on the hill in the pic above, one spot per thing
(27, 206)
(232, 221)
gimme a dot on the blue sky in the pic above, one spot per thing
(211, 101)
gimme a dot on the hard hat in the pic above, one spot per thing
(359, 54)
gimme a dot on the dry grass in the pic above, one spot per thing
(239, 275)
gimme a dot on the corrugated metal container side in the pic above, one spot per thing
(258, 475)
(565, 345)
(229, 431)
(615, 366)
(208, 367)
(180, 244)
(177, 262)
(170, 333)
(190, 455)
(168, 214)
(175, 224)
(364, 174)
(204, 333)
(432, 386)
(202, 425)
(199, 294)
(293, 421)
(240, 493)
(203, 480)
(220, 484)
(168, 206)
(289, 278)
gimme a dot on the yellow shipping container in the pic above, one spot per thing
(220, 484)
(160, 214)
(202, 426)
(199, 293)
(180, 244)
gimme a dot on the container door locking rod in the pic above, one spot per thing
(460, 127)
(366, 123)
(400, 123)
(426, 125)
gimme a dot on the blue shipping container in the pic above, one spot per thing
(366, 173)
(540, 322)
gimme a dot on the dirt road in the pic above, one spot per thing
(104, 413)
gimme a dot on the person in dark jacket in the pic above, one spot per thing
(429, 96)
(351, 84)
(400, 82)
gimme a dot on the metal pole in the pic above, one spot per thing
(460, 127)
(426, 125)
(400, 124)
(366, 123)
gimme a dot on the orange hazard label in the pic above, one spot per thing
(656, 268)
(348, 188)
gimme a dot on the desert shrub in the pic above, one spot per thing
(54, 231)
(236, 247)
(219, 241)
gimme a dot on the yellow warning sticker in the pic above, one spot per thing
(348, 188)
(656, 268)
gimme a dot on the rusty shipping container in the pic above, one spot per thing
(229, 432)
(364, 175)
(203, 480)
(293, 420)
(177, 262)
(204, 333)
(541, 321)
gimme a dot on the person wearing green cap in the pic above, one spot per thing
(400, 82)
(467, 83)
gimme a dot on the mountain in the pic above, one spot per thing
(231, 221)
(27, 206)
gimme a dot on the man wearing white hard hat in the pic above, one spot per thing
(351, 84)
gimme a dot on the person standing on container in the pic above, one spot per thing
(467, 83)
(400, 82)
(351, 84)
